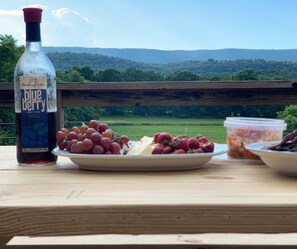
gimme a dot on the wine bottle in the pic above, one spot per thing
(35, 98)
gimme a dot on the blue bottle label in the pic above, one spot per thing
(34, 116)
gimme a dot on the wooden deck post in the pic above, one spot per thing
(60, 110)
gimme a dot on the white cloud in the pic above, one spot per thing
(65, 11)
(4, 12)
(11, 23)
(10, 12)
(67, 27)
(60, 27)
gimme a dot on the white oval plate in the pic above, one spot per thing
(284, 162)
(141, 162)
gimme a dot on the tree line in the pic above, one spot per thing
(224, 69)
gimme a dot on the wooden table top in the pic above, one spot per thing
(225, 196)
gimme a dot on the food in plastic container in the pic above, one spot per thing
(242, 131)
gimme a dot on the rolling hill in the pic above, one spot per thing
(168, 56)
(65, 61)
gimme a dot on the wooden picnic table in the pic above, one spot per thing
(226, 203)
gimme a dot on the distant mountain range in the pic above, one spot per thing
(210, 67)
(168, 56)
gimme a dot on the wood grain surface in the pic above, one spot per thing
(224, 197)
(168, 93)
(165, 241)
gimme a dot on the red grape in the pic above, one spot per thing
(115, 148)
(111, 131)
(75, 129)
(89, 132)
(98, 149)
(94, 124)
(208, 147)
(83, 129)
(95, 137)
(77, 147)
(184, 144)
(167, 144)
(69, 143)
(60, 136)
(107, 134)
(68, 147)
(87, 144)
(157, 150)
(164, 138)
(156, 137)
(72, 135)
(180, 151)
(102, 127)
(167, 150)
(203, 140)
(160, 145)
(62, 145)
(105, 143)
(81, 137)
(193, 143)
(65, 131)
(124, 139)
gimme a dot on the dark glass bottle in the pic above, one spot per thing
(35, 98)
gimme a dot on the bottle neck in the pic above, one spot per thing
(33, 32)
(33, 37)
(34, 46)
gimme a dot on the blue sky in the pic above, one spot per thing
(159, 24)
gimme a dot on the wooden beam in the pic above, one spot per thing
(179, 97)
(168, 93)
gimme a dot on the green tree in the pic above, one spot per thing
(60, 76)
(107, 75)
(246, 74)
(152, 76)
(7, 126)
(183, 76)
(74, 76)
(10, 52)
(134, 74)
(290, 117)
(214, 78)
(86, 72)
(9, 55)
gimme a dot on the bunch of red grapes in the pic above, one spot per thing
(95, 138)
(167, 144)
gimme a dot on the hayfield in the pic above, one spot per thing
(138, 126)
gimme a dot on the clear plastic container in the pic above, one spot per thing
(242, 131)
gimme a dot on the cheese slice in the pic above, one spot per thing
(145, 146)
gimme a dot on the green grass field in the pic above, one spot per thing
(136, 127)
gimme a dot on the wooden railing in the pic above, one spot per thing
(166, 93)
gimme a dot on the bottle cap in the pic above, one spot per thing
(32, 14)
